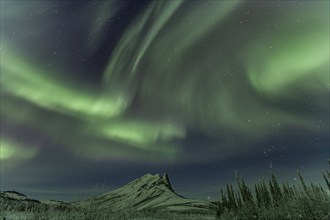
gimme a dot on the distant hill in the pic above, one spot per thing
(14, 200)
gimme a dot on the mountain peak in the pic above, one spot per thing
(149, 181)
(166, 181)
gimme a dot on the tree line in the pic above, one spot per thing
(269, 199)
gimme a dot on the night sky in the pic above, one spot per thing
(97, 93)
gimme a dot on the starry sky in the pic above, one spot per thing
(97, 93)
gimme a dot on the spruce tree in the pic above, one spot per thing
(223, 202)
(303, 183)
(258, 195)
(231, 198)
(272, 191)
(327, 179)
(245, 191)
(277, 189)
(286, 189)
(265, 194)
(238, 199)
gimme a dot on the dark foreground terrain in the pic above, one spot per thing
(152, 197)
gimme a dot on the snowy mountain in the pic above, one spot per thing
(146, 192)
(149, 192)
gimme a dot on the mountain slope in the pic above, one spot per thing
(146, 192)
(11, 200)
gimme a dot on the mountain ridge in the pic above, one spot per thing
(148, 192)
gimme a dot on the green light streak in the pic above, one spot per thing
(141, 134)
(161, 12)
(95, 149)
(284, 62)
(160, 15)
(10, 150)
(23, 79)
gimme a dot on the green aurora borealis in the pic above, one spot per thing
(127, 88)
